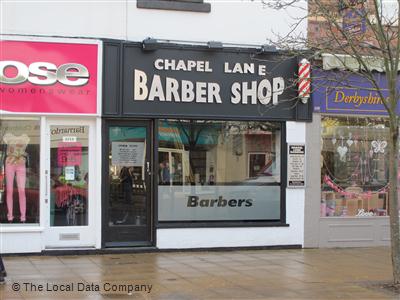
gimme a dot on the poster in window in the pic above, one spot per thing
(128, 154)
(69, 154)
(69, 173)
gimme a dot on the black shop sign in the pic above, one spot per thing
(199, 82)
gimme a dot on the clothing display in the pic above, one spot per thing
(16, 146)
(15, 166)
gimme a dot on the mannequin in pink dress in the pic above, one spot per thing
(15, 166)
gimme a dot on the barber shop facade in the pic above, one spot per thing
(50, 130)
(195, 147)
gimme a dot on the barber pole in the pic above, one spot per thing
(304, 80)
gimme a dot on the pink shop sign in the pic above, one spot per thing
(69, 154)
(48, 77)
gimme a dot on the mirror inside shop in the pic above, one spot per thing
(354, 166)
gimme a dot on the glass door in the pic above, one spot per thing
(69, 191)
(127, 201)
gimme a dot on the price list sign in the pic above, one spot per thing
(128, 154)
(296, 166)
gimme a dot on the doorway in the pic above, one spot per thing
(127, 205)
(69, 184)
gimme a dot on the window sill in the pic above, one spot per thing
(354, 217)
(219, 224)
(191, 6)
(19, 228)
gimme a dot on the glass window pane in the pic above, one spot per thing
(69, 172)
(19, 170)
(218, 170)
(127, 155)
(354, 166)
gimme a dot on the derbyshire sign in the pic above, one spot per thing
(338, 93)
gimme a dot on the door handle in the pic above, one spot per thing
(46, 178)
(148, 167)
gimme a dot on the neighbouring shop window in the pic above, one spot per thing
(69, 173)
(219, 170)
(354, 166)
(19, 170)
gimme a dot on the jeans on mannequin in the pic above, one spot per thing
(18, 170)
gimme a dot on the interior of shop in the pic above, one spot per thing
(193, 152)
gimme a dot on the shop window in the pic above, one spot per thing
(181, 5)
(19, 170)
(219, 171)
(69, 172)
(354, 167)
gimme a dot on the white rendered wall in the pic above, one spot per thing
(17, 240)
(247, 236)
(235, 21)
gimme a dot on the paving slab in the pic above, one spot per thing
(352, 273)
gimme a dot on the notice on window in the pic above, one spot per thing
(69, 173)
(69, 154)
(127, 154)
(296, 166)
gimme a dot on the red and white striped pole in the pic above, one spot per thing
(304, 80)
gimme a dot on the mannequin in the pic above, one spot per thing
(15, 166)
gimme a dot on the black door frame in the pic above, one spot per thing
(149, 124)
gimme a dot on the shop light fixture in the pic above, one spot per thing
(149, 44)
(215, 45)
(268, 49)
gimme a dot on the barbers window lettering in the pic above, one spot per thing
(19, 170)
(195, 201)
(219, 170)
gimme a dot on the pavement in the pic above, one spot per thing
(353, 273)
